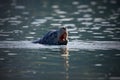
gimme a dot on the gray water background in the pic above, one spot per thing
(94, 47)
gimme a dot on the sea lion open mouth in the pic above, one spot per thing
(63, 36)
(56, 37)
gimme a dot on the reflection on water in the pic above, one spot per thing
(56, 64)
(65, 54)
(64, 50)
(93, 50)
(66, 64)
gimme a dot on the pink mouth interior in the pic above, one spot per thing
(63, 36)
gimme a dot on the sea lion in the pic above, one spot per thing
(57, 37)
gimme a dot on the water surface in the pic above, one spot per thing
(93, 50)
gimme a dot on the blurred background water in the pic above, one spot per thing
(94, 47)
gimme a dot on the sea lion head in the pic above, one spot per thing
(63, 36)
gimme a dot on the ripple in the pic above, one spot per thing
(87, 23)
(17, 31)
(84, 19)
(29, 37)
(99, 55)
(75, 3)
(44, 57)
(99, 19)
(101, 7)
(19, 7)
(116, 38)
(12, 54)
(111, 36)
(55, 24)
(107, 24)
(15, 22)
(113, 17)
(75, 13)
(60, 12)
(90, 31)
(117, 32)
(97, 65)
(75, 44)
(32, 33)
(8, 32)
(82, 30)
(62, 16)
(99, 36)
(87, 15)
(1, 59)
(48, 18)
(28, 71)
(93, 3)
(25, 26)
(74, 32)
(101, 12)
(47, 63)
(65, 19)
(117, 54)
(38, 21)
(97, 33)
(95, 28)
(3, 20)
(13, 18)
(6, 51)
(9, 39)
(25, 13)
(82, 6)
(55, 6)
(110, 29)
(69, 25)
(74, 37)
(107, 31)
(89, 10)
(4, 35)
(72, 29)
(65, 55)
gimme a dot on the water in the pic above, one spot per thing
(93, 51)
